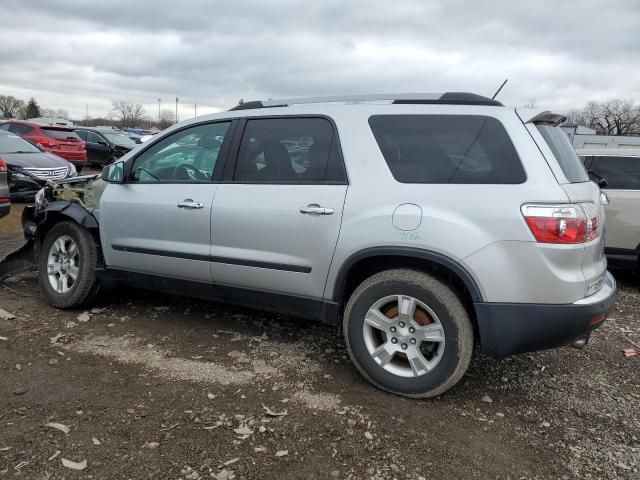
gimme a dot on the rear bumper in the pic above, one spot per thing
(510, 328)
(72, 156)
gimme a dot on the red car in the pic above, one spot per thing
(61, 141)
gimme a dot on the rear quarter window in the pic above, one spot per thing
(466, 149)
(564, 152)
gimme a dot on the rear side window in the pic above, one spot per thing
(565, 154)
(447, 149)
(622, 173)
(20, 129)
(289, 150)
(60, 134)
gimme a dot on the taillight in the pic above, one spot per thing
(569, 223)
(45, 142)
(3, 166)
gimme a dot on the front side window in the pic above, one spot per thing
(468, 149)
(621, 173)
(20, 129)
(82, 134)
(189, 155)
(289, 150)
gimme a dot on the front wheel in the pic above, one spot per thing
(67, 265)
(408, 333)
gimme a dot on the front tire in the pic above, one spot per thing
(408, 333)
(67, 266)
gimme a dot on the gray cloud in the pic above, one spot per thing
(71, 53)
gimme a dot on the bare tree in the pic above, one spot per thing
(167, 118)
(614, 117)
(129, 114)
(11, 107)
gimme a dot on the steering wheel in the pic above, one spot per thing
(185, 171)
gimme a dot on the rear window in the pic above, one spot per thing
(622, 173)
(565, 154)
(447, 149)
(60, 134)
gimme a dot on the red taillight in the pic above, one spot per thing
(597, 318)
(562, 223)
(3, 166)
(45, 142)
(5, 200)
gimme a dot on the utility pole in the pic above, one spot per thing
(176, 109)
(195, 110)
(159, 119)
(86, 110)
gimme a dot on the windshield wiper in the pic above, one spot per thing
(19, 151)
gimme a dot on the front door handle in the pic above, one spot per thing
(189, 204)
(315, 209)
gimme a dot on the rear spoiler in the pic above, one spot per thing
(528, 115)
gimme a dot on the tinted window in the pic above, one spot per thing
(20, 129)
(620, 172)
(565, 154)
(60, 134)
(82, 134)
(5, 126)
(94, 138)
(289, 150)
(189, 155)
(447, 149)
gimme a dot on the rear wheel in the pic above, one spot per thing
(67, 265)
(408, 333)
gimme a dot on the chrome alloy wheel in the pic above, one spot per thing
(404, 336)
(63, 264)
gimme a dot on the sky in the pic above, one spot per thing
(77, 55)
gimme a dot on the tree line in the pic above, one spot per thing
(613, 117)
(123, 114)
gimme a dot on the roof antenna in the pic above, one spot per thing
(498, 91)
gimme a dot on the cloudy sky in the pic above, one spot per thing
(73, 53)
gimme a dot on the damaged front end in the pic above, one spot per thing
(77, 199)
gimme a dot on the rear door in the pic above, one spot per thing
(622, 174)
(159, 221)
(276, 220)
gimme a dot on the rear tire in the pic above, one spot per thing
(67, 266)
(408, 333)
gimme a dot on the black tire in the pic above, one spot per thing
(442, 300)
(86, 286)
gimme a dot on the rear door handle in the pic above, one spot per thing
(315, 209)
(189, 204)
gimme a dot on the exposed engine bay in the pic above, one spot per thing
(77, 198)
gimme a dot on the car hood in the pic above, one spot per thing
(34, 160)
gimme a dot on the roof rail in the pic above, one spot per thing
(448, 98)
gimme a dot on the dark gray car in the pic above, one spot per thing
(28, 166)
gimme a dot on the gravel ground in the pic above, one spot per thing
(150, 386)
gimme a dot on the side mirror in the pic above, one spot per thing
(113, 173)
(103, 143)
(598, 179)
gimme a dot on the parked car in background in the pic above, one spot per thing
(25, 161)
(135, 137)
(61, 141)
(5, 199)
(488, 234)
(620, 168)
(104, 145)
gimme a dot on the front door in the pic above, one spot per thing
(98, 150)
(275, 222)
(158, 222)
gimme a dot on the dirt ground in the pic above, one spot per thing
(150, 386)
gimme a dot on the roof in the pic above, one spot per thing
(609, 152)
(448, 98)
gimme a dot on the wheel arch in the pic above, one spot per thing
(367, 262)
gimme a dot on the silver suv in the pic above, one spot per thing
(618, 169)
(424, 225)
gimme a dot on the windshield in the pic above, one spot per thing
(119, 138)
(565, 154)
(15, 144)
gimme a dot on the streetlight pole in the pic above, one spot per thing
(159, 119)
(195, 110)
(176, 109)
